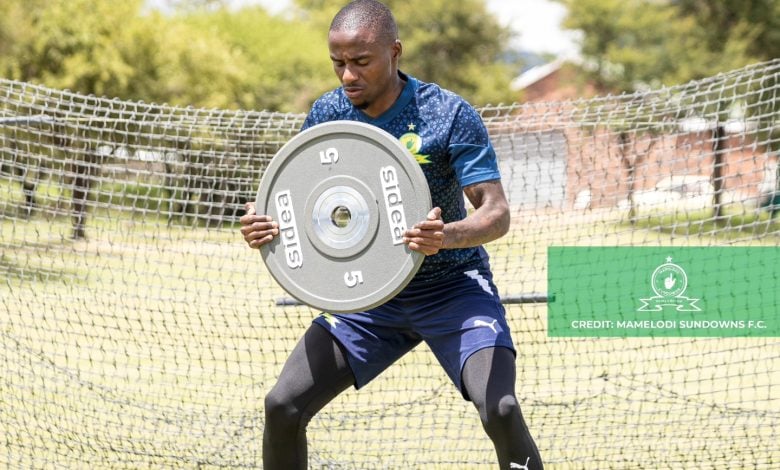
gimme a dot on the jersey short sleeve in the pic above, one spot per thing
(471, 154)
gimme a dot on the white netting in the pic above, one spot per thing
(138, 330)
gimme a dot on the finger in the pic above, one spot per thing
(258, 242)
(250, 208)
(432, 221)
(258, 238)
(425, 232)
(259, 230)
(431, 228)
(424, 249)
(432, 240)
(252, 232)
(249, 219)
(253, 223)
(425, 241)
(433, 225)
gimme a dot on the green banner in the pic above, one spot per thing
(663, 291)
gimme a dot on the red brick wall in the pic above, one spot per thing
(595, 163)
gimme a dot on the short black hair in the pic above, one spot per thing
(369, 14)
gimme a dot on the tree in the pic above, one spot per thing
(67, 44)
(459, 45)
(754, 23)
(636, 43)
(111, 49)
(286, 65)
(183, 64)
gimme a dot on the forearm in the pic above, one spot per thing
(483, 225)
(487, 222)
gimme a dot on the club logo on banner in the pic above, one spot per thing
(669, 282)
(728, 291)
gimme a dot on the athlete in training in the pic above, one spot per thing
(451, 303)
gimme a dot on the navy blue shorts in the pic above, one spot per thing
(456, 317)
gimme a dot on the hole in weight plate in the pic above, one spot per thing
(340, 216)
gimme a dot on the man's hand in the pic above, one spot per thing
(427, 236)
(257, 229)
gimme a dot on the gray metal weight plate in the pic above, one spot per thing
(343, 194)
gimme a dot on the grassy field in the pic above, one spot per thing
(151, 346)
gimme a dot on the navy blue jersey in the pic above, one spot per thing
(447, 137)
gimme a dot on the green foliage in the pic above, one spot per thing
(177, 63)
(67, 44)
(201, 53)
(751, 27)
(458, 45)
(286, 62)
(635, 43)
(110, 49)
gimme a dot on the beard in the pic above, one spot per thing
(363, 106)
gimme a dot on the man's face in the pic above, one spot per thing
(367, 69)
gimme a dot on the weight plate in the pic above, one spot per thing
(343, 193)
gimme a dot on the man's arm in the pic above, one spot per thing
(488, 221)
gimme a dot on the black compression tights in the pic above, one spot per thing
(314, 374)
(317, 371)
(489, 379)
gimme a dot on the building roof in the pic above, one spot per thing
(534, 74)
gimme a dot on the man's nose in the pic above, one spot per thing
(349, 75)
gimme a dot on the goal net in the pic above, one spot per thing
(137, 329)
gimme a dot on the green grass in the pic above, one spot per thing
(735, 222)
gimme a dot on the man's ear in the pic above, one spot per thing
(397, 49)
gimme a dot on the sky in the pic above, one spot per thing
(537, 23)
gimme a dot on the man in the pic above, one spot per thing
(451, 303)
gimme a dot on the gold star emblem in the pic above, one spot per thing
(411, 127)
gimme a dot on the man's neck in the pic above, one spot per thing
(395, 93)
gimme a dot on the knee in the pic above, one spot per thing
(501, 413)
(280, 411)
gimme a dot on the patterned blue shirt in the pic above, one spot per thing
(447, 137)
